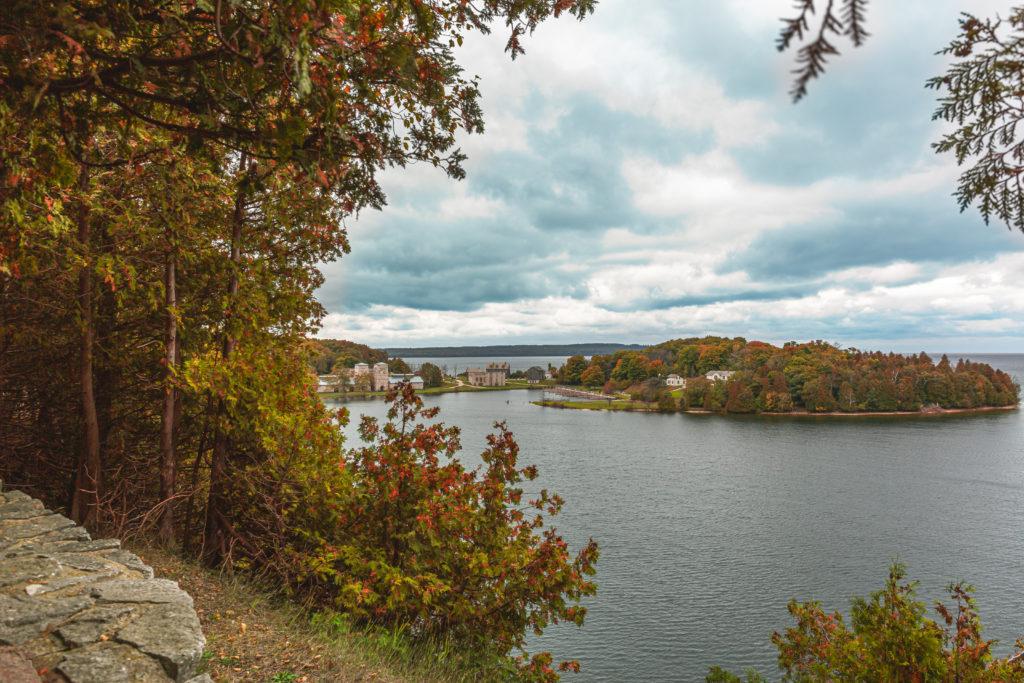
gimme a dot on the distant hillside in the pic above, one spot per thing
(328, 353)
(512, 350)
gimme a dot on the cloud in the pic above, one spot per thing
(644, 176)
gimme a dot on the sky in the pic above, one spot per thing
(644, 176)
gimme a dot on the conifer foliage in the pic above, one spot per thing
(889, 637)
(980, 96)
(819, 23)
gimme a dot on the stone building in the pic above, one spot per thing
(494, 375)
(376, 378)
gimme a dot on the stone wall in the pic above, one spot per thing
(77, 610)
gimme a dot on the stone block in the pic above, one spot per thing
(131, 561)
(23, 617)
(89, 626)
(111, 663)
(31, 567)
(172, 634)
(160, 591)
(16, 668)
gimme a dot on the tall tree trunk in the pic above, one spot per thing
(217, 536)
(85, 501)
(168, 456)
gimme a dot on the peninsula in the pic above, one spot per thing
(722, 375)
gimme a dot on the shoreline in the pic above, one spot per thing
(433, 391)
(939, 412)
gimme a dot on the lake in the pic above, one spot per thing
(457, 364)
(708, 525)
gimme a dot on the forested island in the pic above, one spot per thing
(813, 377)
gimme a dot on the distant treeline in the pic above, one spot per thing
(814, 376)
(512, 350)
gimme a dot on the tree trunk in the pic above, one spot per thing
(85, 501)
(217, 535)
(168, 456)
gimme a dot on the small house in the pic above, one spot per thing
(396, 379)
(675, 381)
(327, 384)
(719, 375)
(534, 375)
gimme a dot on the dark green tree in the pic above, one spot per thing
(431, 375)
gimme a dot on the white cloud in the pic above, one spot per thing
(953, 299)
(707, 203)
(626, 72)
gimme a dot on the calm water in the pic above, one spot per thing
(461, 363)
(709, 525)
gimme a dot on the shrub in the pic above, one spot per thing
(889, 639)
(418, 540)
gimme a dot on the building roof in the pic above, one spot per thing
(396, 377)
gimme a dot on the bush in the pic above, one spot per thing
(418, 540)
(889, 639)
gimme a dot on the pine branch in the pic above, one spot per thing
(854, 12)
(812, 57)
(794, 28)
(982, 93)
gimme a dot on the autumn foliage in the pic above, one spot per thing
(815, 377)
(404, 534)
(889, 637)
(172, 176)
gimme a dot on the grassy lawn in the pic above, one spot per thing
(633, 406)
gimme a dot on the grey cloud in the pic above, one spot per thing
(930, 230)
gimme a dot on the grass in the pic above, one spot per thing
(629, 406)
(254, 634)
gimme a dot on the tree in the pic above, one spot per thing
(313, 82)
(889, 638)
(572, 371)
(696, 390)
(739, 396)
(632, 365)
(398, 366)
(978, 94)
(291, 106)
(593, 376)
(432, 375)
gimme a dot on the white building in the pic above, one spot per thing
(675, 381)
(327, 384)
(415, 380)
(719, 375)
